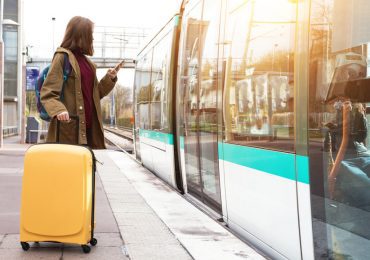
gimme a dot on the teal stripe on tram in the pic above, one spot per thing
(177, 20)
(158, 136)
(302, 168)
(182, 142)
(272, 162)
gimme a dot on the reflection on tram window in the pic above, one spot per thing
(339, 96)
(189, 88)
(143, 91)
(207, 100)
(259, 72)
(152, 83)
(199, 78)
(159, 80)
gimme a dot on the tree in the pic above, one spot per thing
(123, 105)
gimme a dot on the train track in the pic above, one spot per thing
(125, 132)
(119, 140)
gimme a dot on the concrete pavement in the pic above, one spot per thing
(138, 217)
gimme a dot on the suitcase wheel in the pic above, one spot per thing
(25, 246)
(93, 242)
(86, 249)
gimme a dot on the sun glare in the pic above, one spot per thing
(274, 10)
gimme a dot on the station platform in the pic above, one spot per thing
(138, 216)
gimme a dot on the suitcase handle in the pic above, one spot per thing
(74, 117)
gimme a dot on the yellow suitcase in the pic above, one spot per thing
(58, 193)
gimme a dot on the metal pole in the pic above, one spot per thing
(112, 112)
(21, 76)
(1, 74)
(53, 22)
(103, 44)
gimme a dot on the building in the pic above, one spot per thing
(11, 70)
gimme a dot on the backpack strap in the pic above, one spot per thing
(67, 68)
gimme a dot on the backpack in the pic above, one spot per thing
(40, 81)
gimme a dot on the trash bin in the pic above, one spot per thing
(32, 130)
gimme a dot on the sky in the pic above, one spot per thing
(39, 27)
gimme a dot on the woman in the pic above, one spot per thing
(82, 91)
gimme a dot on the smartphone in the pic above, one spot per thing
(119, 65)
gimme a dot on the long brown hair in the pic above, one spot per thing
(79, 35)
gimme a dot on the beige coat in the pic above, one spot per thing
(73, 101)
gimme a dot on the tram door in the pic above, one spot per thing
(200, 103)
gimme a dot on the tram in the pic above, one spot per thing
(257, 109)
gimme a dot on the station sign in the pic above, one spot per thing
(32, 73)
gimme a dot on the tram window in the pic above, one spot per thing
(259, 85)
(208, 76)
(159, 85)
(156, 91)
(143, 91)
(339, 97)
(189, 74)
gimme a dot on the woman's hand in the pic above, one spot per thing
(112, 73)
(64, 116)
(331, 185)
